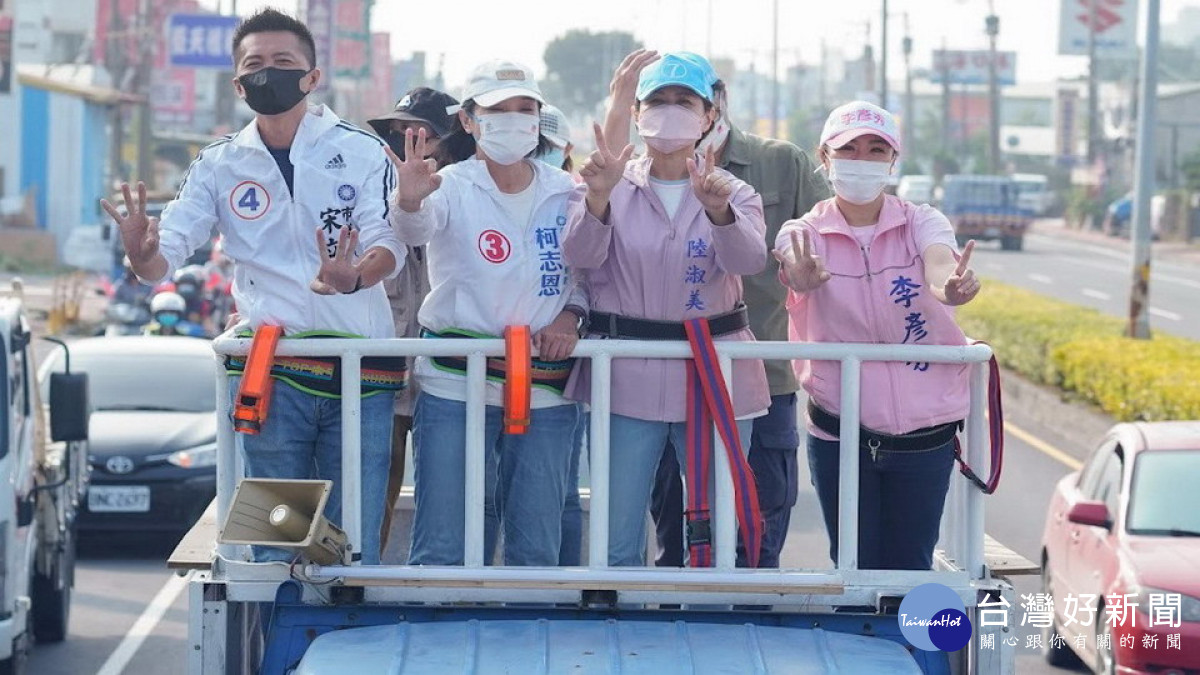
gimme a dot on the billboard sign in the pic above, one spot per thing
(1114, 23)
(971, 66)
(200, 40)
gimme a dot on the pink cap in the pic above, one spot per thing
(859, 118)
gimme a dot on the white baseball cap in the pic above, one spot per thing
(495, 81)
(859, 118)
(554, 126)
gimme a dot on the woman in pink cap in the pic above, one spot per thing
(866, 267)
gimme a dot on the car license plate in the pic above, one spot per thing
(119, 498)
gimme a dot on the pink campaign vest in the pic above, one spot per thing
(878, 296)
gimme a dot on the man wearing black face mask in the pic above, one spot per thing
(293, 173)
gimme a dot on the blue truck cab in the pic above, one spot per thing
(987, 208)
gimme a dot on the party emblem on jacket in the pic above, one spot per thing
(346, 193)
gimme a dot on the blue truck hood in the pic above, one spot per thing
(601, 646)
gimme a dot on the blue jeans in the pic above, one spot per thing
(901, 496)
(302, 438)
(773, 446)
(530, 490)
(635, 448)
(570, 551)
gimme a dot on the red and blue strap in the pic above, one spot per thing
(708, 402)
(995, 435)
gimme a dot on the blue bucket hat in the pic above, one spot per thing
(675, 69)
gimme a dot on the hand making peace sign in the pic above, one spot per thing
(603, 169)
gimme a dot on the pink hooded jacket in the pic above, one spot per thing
(878, 295)
(643, 264)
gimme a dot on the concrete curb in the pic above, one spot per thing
(1074, 427)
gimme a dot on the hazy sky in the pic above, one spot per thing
(468, 32)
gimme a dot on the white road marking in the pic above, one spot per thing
(1041, 278)
(1098, 295)
(141, 629)
(1164, 314)
(1155, 277)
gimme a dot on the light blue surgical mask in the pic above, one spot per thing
(168, 319)
(554, 157)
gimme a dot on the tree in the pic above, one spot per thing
(579, 66)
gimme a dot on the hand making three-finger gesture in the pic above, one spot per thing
(803, 270)
(416, 176)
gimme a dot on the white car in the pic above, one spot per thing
(917, 189)
(1034, 193)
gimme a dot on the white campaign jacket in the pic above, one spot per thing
(342, 177)
(485, 271)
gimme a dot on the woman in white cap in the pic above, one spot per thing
(868, 267)
(556, 130)
(663, 239)
(493, 224)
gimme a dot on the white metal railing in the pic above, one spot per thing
(962, 532)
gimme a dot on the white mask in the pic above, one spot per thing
(508, 137)
(858, 181)
(715, 138)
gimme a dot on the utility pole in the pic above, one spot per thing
(1143, 180)
(1093, 95)
(883, 53)
(992, 26)
(945, 68)
(824, 95)
(146, 40)
(114, 60)
(775, 70)
(907, 44)
(708, 39)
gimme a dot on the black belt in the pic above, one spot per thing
(616, 326)
(920, 440)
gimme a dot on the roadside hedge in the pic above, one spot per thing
(1084, 353)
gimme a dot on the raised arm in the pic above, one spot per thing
(622, 95)
(589, 223)
(412, 215)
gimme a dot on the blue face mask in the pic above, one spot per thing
(168, 319)
(554, 157)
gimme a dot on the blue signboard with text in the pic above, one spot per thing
(200, 40)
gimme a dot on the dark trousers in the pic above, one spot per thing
(901, 497)
(773, 446)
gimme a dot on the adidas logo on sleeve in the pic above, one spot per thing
(336, 163)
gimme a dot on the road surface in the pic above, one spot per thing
(1096, 273)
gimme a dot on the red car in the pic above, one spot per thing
(1122, 537)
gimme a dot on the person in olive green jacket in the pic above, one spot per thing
(786, 178)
